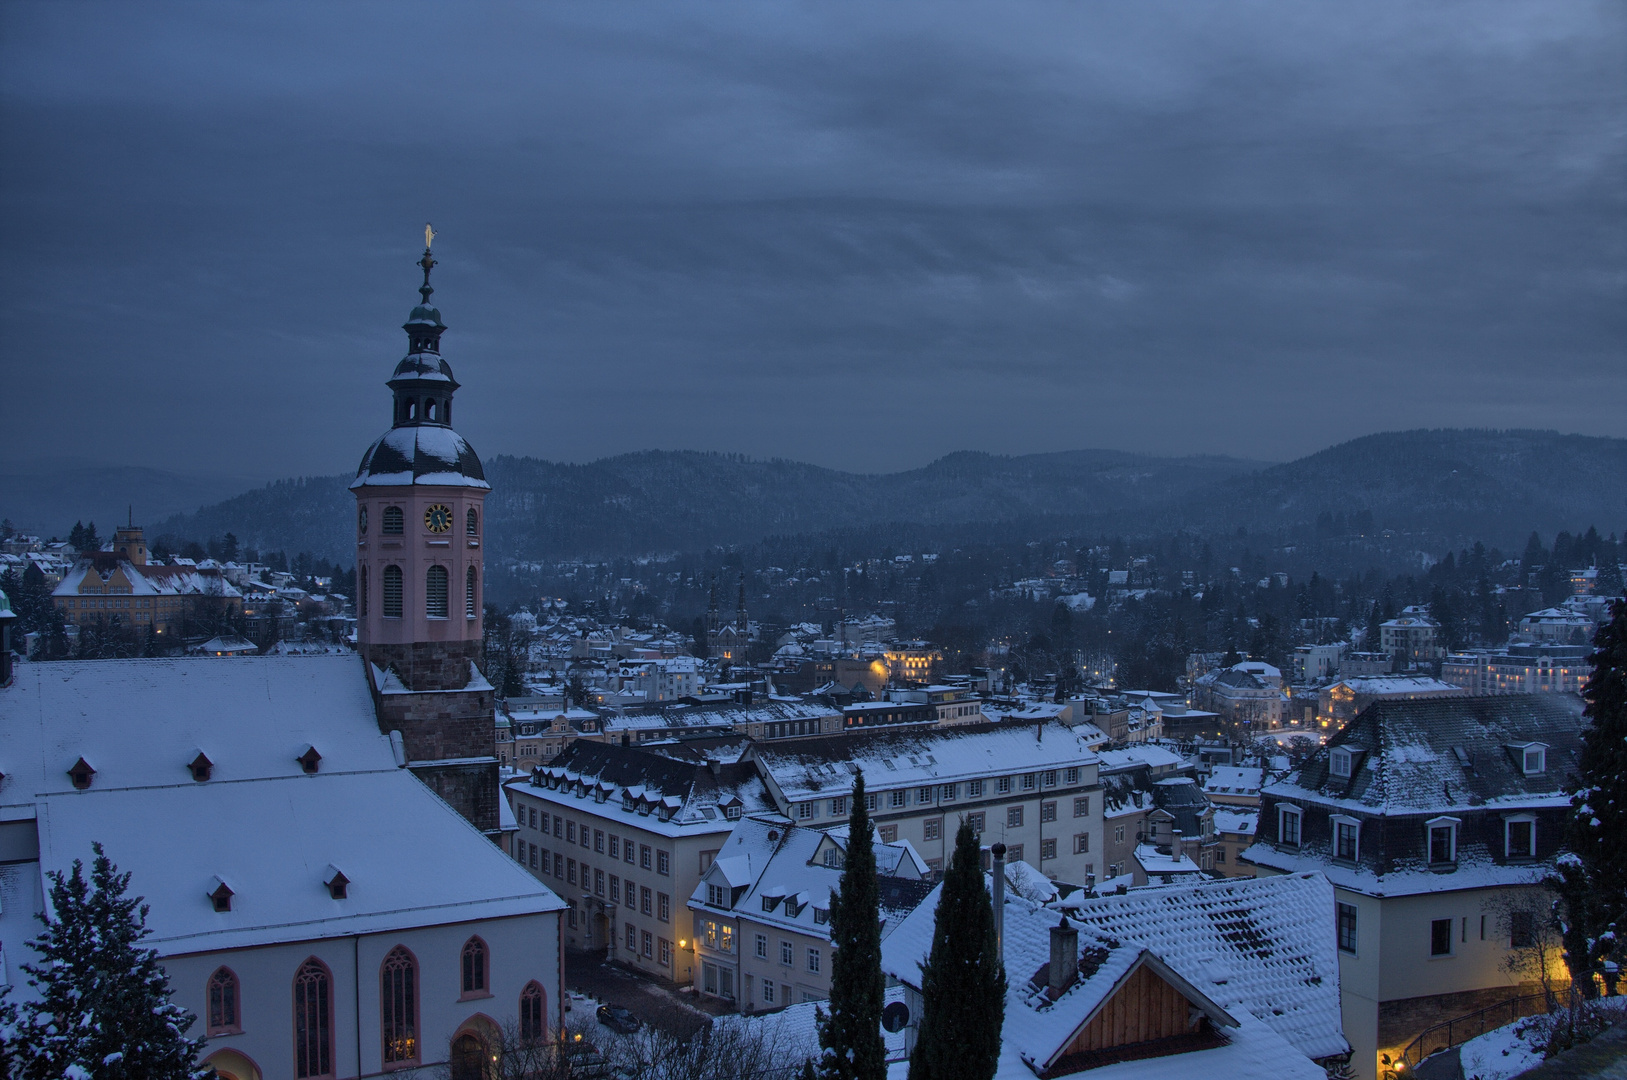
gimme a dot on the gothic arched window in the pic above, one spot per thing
(313, 1020)
(398, 1006)
(470, 607)
(395, 522)
(361, 592)
(474, 968)
(392, 592)
(223, 1003)
(474, 522)
(435, 590)
(533, 1010)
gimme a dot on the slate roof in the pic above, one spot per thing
(1440, 754)
(692, 792)
(428, 454)
(815, 767)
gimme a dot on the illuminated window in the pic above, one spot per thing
(398, 1006)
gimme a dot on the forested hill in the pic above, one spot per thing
(1455, 485)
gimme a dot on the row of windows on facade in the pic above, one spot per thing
(1521, 927)
(1441, 834)
(394, 521)
(596, 840)
(437, 603)
(400, 1042)
(934, 794)
(634, 897)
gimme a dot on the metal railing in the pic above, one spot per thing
(1461, 1029)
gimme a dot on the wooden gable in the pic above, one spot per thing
(1146, 1015)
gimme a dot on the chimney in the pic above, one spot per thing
(998, 851)
(1064, 956)
(715, 765)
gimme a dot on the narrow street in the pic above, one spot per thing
(658, 1004)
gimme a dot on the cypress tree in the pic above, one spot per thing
(851, 1033)
(963, 987)
(103, 1012)
(1592, 875)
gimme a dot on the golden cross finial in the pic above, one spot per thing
(429, 235)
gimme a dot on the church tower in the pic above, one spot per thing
(420, 520)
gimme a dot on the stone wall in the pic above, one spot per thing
(471, 789)
(1402, 1020)
(426, 665)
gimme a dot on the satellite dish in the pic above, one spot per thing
(895, 1016)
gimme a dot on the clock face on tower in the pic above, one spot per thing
(438, 518)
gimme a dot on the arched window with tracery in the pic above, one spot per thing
(435, 590)
(471, 606)
(473, 518)
(474, 968)
(313, 1021)
(395, 521)
(392, 592)
(533, 1012)
(398, 1006)
(223, 1003)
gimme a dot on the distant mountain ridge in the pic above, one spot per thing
(1452, 484)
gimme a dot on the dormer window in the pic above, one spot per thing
(1339, 761)
(1443, 840)
(770, 903)
(1288, 821)
(201, 767)
(220, 894)
(309, 760)
(80, 773)
(1346, 838)
(821, 915)
(716, 896)
(1533, 758)
(1520, 837)
(338, 885)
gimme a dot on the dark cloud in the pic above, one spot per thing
(862, 235)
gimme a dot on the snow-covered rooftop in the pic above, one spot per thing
(1261, 950)
(817, 767)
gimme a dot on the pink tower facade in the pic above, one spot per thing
(420, 580)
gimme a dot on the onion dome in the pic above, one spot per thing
(421, 447)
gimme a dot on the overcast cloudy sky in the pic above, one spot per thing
(862, 235)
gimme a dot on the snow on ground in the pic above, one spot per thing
(1503, 1052)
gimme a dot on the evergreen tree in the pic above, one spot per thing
(851, 1034)
(103, 1011)
(963, 988)
(1592, 874)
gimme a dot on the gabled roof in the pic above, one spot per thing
(1260, 949)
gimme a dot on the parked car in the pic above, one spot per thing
(617, 1018)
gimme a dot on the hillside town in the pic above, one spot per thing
(477, 831)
